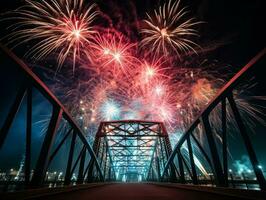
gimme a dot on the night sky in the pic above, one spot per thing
(234, 32)
(238, 26)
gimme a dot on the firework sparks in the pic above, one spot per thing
(146, 89)
(61, 27)
(110, 110)
(111, 51)
(202, 92)
(167, 32)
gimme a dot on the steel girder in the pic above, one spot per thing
(49, 149)
(131, 145)
(219, 164)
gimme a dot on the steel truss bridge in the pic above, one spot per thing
(122, 151)
(132, 150)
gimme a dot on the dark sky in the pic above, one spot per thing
(238, 26)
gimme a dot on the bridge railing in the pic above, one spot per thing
(220, 175)
(59, 120)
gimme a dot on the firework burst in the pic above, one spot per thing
(59, 27)
(167, 32)
(111, 51)
(115, 81)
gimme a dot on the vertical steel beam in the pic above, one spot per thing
(186, 165)
(181, 168)
(70, 159)
(12, 113)
(224, 138)
(110, 173)
(41, 166)
(153, 174)
(28, 136)
(158, 164)
(81, 166)
(77, 160)
(219, 178)
(192, 163)
(102, 147)
(106, 159)
(247, 142)
(96, 144)
(163, 157)
(168, 151)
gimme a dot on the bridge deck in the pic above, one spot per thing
(139, 191)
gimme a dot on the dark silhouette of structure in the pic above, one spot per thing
(131, 150)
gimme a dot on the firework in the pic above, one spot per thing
(60, 27)
(111, 51)
(115, 81)
(153, 69)
(110, 110)
(166, 31)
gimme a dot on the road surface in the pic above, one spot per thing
(135, 191)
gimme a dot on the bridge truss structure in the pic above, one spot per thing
(60, 123)
(224, 102)
(122, 150)
(133, 150)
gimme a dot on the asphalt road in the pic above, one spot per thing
(135, 192)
